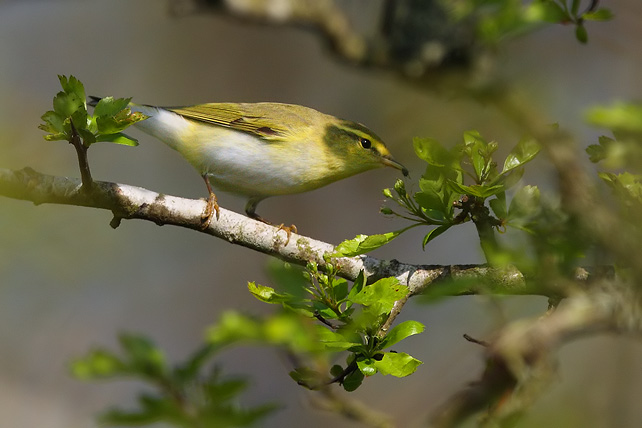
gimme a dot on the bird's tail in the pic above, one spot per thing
(93, 101)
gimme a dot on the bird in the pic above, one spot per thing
(265, 149)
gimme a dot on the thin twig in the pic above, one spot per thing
(83, 162)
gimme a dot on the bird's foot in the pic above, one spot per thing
(288, 230)
(210, 208)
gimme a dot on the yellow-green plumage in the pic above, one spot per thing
(266, 149)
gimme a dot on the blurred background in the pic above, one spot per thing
(69, 282)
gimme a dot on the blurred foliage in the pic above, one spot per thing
(621, 156)
(187, 395)
(623, 150)
(501, 18)
(192, 395)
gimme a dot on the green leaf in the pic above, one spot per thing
(363, 244)
(524, 205)
(384, 292)
(305, 377)
(397, 364)
(117, 138)
(109, 106)
(627, 186)
(431, 196)
(87, 137)
(334, 341)
(545, 11)
(523, 152)
(154, 409)
(66, 104)
(122, 120)
(349, 246)
(367, 366)
(291, 331)
(190, 370)
(72, 85)
(432, 152)
(617, 117)
(498, 205)
(353, 380)
(233, 327)
(340, 289)
(599, 152)
(480, 191)
(71, 98)
(143, 355)
(436, 198)
(510, 179)
(575, 6)
(580, 33)
(433, 234)
(358, 285)
(99, 364)
(336, 370)
(267, 294)
(286, 329)
(400, 332)
(289, 277)
(218, 391)
(601, 14)
(56, 137)
(477, 150)
(54, 123)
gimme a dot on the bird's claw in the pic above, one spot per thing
(210, 208)
(288, 230)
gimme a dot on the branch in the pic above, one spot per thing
(519, 361)
(416, 40)
(130, 202)
(331, 401)
(323, 16)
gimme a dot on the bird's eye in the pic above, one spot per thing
(365, 143)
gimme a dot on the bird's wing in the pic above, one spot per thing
(262, 120)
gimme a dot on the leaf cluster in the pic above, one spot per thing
(621, 156)
(186, 395)
(460, 185)
(498, 19)
(569, 12)
(70, 117)
(348, 319)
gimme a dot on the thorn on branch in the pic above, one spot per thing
(115, 221)
(320, 317)
(477, 341)
(352, 367)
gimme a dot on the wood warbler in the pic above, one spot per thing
(264, 149)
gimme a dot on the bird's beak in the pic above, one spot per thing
(393, 163)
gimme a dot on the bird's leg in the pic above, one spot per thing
(212, 205)
(250, 210)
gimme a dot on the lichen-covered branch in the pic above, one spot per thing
(130, 202)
